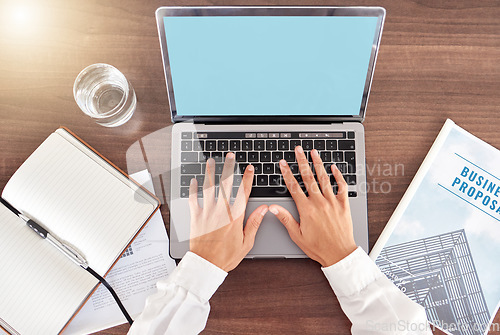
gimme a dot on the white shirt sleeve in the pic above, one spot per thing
(180, 305)
(371, 301)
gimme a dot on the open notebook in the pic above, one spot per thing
(80, 198)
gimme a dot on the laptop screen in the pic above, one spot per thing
(269, 65)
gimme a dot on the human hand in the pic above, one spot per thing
(217, 232)
(325, 231)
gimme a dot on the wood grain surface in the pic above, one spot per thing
(438, 60)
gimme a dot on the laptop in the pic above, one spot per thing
(258, 81)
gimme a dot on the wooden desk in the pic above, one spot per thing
(438, 60)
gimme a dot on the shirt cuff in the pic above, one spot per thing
(198, 276)
(352, 274)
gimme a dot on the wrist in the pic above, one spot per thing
(339, 255)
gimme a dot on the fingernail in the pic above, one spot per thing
(273, 210)
(263, 211)
(193, 181)
(230, 155)
(299, 149)
(250, 167)
(283, 162)
(315, 153)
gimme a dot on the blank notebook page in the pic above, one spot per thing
(33, 271)
(80, 198)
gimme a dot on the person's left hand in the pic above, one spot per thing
(217, 232)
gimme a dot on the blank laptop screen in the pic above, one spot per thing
(269, 65)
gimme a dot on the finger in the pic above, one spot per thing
(194, 207)
(241, 200)
(291, 225)
(342, 185)
(323, 178)
(252, 226)
(226, 181)
(306, 173)
(291, 183)
(209, 184)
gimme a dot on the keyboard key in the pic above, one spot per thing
(210, 145)
(294, 143)
(274, 180)
(258, 168)
(276, 156)
(186, 135)
(350, 179)
(294, 168)
(219, 168)
(189, 157)
(247, 145)
(241, 156)
(346, 145)
(352, 194)
(289, 156)
(333, 181)
(328, 167)
(222, 145)
(265, 156)
(277, 168)
(307, 144)
(350, 134)
(191, 168)
(277, 191)
(331, 145)
(200, 179)
(184, 192)
(268, 168)
(271, 145)
(326, 156)
(237, 179)
(234, 145)
(262, 180)
(217, 156)
(350, 158)
(186, 180)
(186, 145)
(259, 145)
(198, 145)
(337, 156)
(342, 167)
(253, 156)
(203, 156)
(241, 167)
(283, 145)
(319, 145)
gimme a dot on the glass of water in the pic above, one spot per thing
(103, 93)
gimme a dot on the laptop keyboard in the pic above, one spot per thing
(264, 151)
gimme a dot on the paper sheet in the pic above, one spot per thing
(133, 277)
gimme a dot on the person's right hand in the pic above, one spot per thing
(325, 231)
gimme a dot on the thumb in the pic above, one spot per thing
(253, 223)
(286, 219)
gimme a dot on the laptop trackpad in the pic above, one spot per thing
(272, 239)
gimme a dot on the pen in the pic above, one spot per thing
(70, 252)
